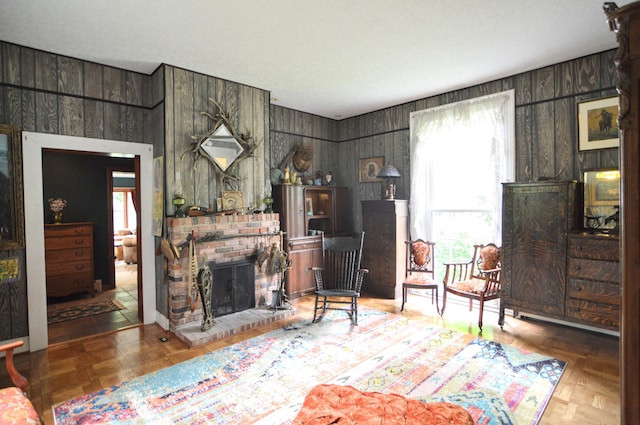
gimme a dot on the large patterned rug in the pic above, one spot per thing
(264, 379)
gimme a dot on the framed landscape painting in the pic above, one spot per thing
(598, 124)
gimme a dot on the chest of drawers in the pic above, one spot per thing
(593, 280)
(68, 258)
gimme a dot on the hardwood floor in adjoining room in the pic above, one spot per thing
(588, 392)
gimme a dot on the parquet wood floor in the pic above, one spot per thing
(588, 392)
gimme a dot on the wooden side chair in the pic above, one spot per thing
(419, 271)
(478, 279)
(15, 407)
(339, 280)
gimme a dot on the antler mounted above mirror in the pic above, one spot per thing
(222, 146)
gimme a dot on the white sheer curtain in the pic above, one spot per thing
(472, 143)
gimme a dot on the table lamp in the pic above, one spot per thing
(388, 173)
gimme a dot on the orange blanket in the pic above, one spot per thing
(345, 405)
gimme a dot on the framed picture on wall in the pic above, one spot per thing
(369, 169)
(598, 124)
(11, 203)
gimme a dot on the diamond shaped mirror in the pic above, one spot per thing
(222, 147)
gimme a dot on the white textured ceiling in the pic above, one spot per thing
(333, 58)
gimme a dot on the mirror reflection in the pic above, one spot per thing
(601, 200)
(222, 147)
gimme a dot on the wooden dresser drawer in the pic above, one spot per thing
(301, 244)
(66, 284)
(594, 269)
(67, 231)
(594, 314)
(73, 254)
(67, 267)
(592, 290)
(594, 247)
(53, 243)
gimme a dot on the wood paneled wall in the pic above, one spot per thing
(48, 93)
(187, 95)
(546, 127)
(290, 128)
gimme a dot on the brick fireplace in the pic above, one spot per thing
(224, 239)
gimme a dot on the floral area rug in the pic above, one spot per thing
(264, 380)
(83, 310)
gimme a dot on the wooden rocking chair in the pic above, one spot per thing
(339, 281)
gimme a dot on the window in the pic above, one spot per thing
(460, 155)
(124, 212)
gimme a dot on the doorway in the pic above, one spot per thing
(33, 145)
(87, 183)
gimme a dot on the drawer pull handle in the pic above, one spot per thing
(79, 254)
(79, 241)
(577, 267)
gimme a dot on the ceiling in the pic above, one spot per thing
(333, 58)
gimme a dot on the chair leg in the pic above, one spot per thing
(323, 307)
(470, 305)
(437, 306)
(404, 297)
(354, 308)
(481, 312)
(444, 302)
(315, 310)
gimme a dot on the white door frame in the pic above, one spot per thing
(32, 146)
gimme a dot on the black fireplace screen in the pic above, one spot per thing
(233, 287)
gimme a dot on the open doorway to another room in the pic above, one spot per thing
(87, 184)
(124, 222)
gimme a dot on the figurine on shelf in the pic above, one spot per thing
(615, 217)
(285, 178)
(328, 179)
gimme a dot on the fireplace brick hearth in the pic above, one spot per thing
(220, 239)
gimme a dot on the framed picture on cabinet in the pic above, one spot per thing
(598, 124)
(11, 193)
(369, 169)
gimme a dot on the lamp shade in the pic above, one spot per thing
(388, 171)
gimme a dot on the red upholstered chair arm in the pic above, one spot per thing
(17, 379)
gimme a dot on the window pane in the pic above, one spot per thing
(131, 212)
(118, 211)
(456, 232)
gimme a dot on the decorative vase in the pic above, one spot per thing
(57, 217)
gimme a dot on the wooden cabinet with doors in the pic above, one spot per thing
(305, 208)
(69, 258)
(385, 225)
(536, 220)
